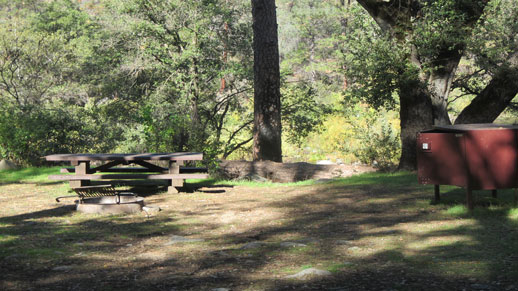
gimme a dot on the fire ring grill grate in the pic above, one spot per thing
(119, 204)
(105, 199)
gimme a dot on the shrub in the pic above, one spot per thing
(380, 148)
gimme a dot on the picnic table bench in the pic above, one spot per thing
(108, 172)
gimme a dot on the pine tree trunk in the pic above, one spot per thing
(267, 102)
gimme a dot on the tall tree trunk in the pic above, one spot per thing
(267, 96)
(415, 115)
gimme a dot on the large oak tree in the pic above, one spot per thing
(436, 34)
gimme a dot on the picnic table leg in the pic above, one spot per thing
(437, 192)
(81, 168)
(469, 198)
(174, 168)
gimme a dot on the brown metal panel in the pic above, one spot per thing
(440, 159)
(492, 158)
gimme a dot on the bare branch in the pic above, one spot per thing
(234, 148)
(233, 135)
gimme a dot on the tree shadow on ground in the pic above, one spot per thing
(374, 232)
(209, 186)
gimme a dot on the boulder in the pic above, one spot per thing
(176, 239)
(308, 273)
(7, 165)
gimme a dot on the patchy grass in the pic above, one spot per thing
(28, 175)
(513, 214)
(337, 267)
(372, 231)
(295, 269)
(458, 210)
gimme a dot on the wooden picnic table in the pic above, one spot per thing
(174, 174)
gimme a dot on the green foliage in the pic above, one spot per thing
(311, 36)
(442, 24)
(43, 97)
(301, 113)
(375, 63)
(356, 134)
(64, 17)
(26, 136)
(137, 76)
(124, 76)
(327, 47)
(379, 63)
(373, 136)
(494, 42)
(176, 49)
(379, 148)
(141, 75)
(29, 64)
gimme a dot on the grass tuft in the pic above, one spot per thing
(513, 214)
(458, 210)
(335, 268)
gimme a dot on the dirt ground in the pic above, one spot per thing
(370, 233)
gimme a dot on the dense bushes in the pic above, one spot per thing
(27, 135)
(133, 76)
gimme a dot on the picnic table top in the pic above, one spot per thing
(181, 156)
